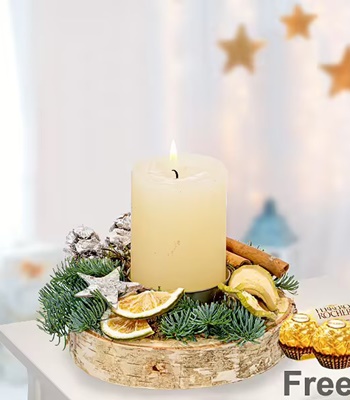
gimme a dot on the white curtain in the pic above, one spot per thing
(12, 196)
(116, 81)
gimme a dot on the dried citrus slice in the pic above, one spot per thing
(147, 304)
(118, 327)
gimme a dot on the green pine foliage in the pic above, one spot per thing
(242, 327)
(287, 283)
(216, 320)
(178, 325)
(88, 314)
(185, 303)
(60, 311)
(208, 318)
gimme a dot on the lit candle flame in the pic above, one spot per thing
(173, 151)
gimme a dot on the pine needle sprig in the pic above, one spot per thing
(287, 283)
(60, 311)
(178, 325)
(216, 320)
(185, 303)
(249, 327)
(243, 327)
(89, 266)
(87, 315)
(207, 318)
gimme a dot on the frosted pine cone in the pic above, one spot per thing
(119, 239)
(122, 222)
(83, 242)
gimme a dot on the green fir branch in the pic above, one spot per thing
(287, 283)
(207, 318)
(87, 315)
(178, 325)
(213, 320)
(185, 303)
(60, 311)
(243, 327)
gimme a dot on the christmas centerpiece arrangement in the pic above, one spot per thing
(167, 300)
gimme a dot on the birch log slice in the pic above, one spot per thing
(169, 364)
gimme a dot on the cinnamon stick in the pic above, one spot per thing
(235, 260)
(272, 264)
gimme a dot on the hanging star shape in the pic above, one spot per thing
(298, 23)
(109, 286)
(340, 73)
(240, 50)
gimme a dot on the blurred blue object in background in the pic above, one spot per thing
(271, 232)
(270, 228)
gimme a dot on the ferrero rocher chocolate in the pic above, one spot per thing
(331, 344)
(296, 336)
(297, 330)
(332, 337)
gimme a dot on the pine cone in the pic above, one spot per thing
(119, 239)
(122, 222)
(83, 242)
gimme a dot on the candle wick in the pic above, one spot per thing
(176, 174)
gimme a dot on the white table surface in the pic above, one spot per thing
(62, 379)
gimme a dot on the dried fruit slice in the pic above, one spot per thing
(147, 304)
(252, 305)
(256, 281)
(283, 305)
(121, 328)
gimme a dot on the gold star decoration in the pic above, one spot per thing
(298, 23)
(340, 73)
(240, 50)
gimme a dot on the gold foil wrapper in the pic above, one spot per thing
(297, 331)
(332, 338)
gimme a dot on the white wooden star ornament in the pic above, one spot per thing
(110, 287)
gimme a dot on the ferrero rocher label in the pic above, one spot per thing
(297, 331)
(339, 311)
(333, 338)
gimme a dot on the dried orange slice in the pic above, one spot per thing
(121, 328)
(147, 304)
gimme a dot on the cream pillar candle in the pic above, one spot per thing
(178, 226)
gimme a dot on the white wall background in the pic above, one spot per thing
(108, 82)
